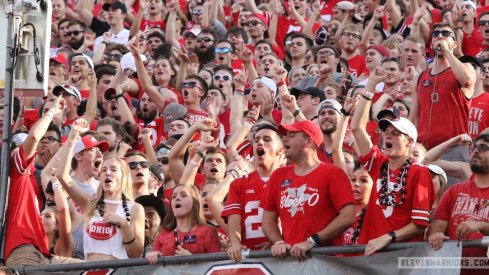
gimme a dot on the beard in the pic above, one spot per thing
(148, 118)
(328, 131)
(76, 44)
(206, 55)
(479, 169)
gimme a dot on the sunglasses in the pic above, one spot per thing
(134, 164)
(325, 53)
(205, 39)
(222, 50)
(50, 203)
(163, 160)
(224, 77)
(49, 139)
(351, 35)
(482, 148)
(253, 23)
(484, 23)
(443, 33)
(75, 33)
(190, 84)
(114, 57)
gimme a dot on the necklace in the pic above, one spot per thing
(401, 181)
(483, 203)
(175, 233)
(356, 231)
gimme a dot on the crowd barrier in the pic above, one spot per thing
(205, 263)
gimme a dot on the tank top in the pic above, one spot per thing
(77, 236)
(105, 238)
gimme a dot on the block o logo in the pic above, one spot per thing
(241, 269)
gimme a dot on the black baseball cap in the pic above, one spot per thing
(309, 90)
(472, 60)
(157, 203)
(115, 5)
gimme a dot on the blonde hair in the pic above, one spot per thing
(126, 186)
(196, 212)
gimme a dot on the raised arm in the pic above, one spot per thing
(136, 24)
(238, 101)
(170, 24)
(339, 135)
(394, 12)
(436, 152)
(145, 137)
(378, 15)
(91, 110)
(192, 167)
(64, 244)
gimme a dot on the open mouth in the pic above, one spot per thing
(146, 226)
(205, 206)
(185, 93)
(221, 58)
(139, 175)
(260, 152)
(97, 163)
(108, 180)
(297, 7)
(214, 170)
(177, 205)
(388, 145)
(220, 86)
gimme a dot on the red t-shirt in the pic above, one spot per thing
(84, 94)
(459, 204)
(31, 116)
(307, 204)
(194, 116)
(157, 127)
(471, 44)
(23, 216)
(450, 106)
(146, 25)
(289, 25)
(478, 114)
(244, 199)
(201, 239)
(323, 155)
(419, 198)
(357, 66)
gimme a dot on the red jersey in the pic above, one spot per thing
(380, 219)
(244, 199)
(323, 155)
(471, 43)
(357, 66)
(439, 103)
(306, 204)
(348, 236)
(194, 116)
(84, 94)
(23, 216)
(157, 127)
(464, 202)
(202, 239)
(478, 114)
(146, 25)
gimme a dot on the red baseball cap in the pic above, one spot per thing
(88, 142)
(381, 49)
(310, 128)
(59, 58)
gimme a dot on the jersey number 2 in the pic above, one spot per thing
(253, 219)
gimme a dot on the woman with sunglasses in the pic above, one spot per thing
(185, 231)
(114, 223)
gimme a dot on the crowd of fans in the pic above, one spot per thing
(178, 128)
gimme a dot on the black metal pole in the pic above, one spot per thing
(7, 127)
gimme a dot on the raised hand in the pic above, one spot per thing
(80, 125)
(58, 106)
(289, 102)
(377, 76)
(245, 55)
(145, 133)
(350, 104)
(379, 12)
(240, 79)
(207, 125)
(280, 74)
(324, 71)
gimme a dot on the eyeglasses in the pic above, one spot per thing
(95, 150)
(443, 33)
(325, 53)
(351, 35)
(189, 84)
(484, 23)
(482, 148)
(197, 12)
(49, 139)
(222, 50)
(75, 33)
(114, 57)
(252, 23)
(163, 160)
(134, 164)
(205, 39)
(224, 77)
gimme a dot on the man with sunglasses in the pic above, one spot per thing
(205, 46)
(194, 88)
(462, 212)
(139, 168)
(443, 94)
(162, 151)
(256, 26)
(484, 31)
(76, 37)
(224, 54)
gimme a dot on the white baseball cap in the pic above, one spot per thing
(267, 82)
(402, 124)
(128, 61)
(331, 104)
(437, 170)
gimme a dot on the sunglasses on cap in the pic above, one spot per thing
(222, 50)
(75, 33)
(163, 160)
(253, 23)
(205, 39)
(224, 77)
(443, 33)
(134, 164)
(197, 12)
(189, 84)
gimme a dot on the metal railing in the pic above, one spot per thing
(211, 257)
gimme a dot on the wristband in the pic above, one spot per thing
(393, 236)
(201, 154)
(106, 44)
(56, 185)
(344, 112)
(194, 163)
(312, 242)
(129, 242)
(50, 113)
(296, 112)
(279, 242)
(367, 98)
(315, 237)
(281, 83)
(241, 92)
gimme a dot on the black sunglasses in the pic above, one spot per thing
(443, 33)
(205, 39)
(75, 33)
(134, 164)
(189, 84)
(252, 23)
(484, 23)
(50, 203)
(163, 160)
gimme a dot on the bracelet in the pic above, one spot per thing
(56, 185)
(345, 113)
(248, 123)
(393, 236)
(315, 237)
(279, 242)
(296, 112)
(236, 91)
(106, 44)
(129, 242)
(233, 173)
(194, 163)
(201, 154)
(281, 83)
(312, 242)
(366, 97)
(250, 120)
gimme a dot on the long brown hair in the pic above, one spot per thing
(196, 213)
(126, 186)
